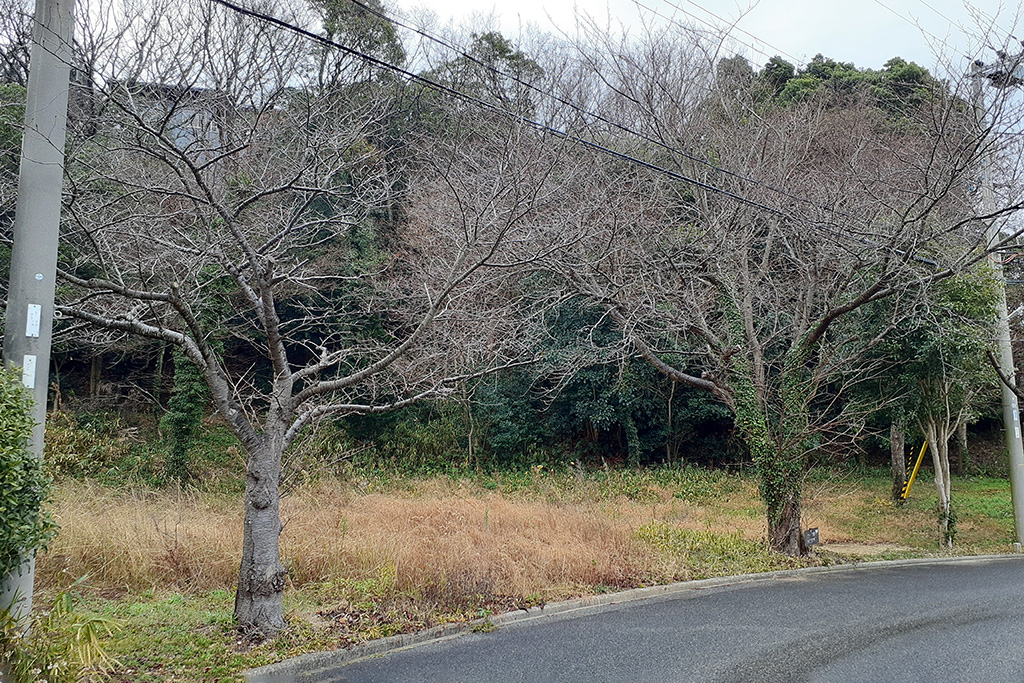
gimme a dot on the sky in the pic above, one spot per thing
(865, 32)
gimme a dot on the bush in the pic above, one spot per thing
(77, 447)
(61, 646)
(24, 526)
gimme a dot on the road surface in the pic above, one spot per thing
(959, 621)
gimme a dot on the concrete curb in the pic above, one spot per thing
(305, 666)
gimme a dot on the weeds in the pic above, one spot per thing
(79, 447)
(698, 554)
(485, 626)
(62, 645)
(381, 553)
(104, 447)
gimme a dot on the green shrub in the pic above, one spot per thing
(77, 448)
(24, 526)
(61, 646)
(416, 440)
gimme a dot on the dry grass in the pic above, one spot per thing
(137, 540)
(424, 542)
(370, 558)
(434, 539)
(436, 543)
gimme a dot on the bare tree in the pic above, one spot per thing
(16, 32)
(223, 203)
(746, 263)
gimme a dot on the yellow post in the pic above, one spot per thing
(913, 475)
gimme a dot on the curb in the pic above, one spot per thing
(305, 666)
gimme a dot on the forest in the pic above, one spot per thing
(315, 239)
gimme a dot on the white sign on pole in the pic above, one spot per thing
(28, 372)
(35, 315)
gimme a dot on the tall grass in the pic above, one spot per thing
(533, 533)
(429, 543)
(436, 545)
(376, 555)
(135, 540)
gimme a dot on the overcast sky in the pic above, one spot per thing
(866, 32)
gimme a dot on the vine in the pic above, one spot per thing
(947, 527)
(776, 441)
(189, 401)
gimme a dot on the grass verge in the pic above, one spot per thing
(376, 555)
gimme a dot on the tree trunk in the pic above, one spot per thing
(938, 444)
(95, 369)
(897, 453)
(785, 533)
(671, 446)
(781, 482)
(258, 602)
(158, 378)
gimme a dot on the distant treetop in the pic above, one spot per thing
(897, 88)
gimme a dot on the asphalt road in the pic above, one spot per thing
(945, 621)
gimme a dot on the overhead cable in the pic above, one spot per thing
(731, 25)
(423, 80)
(598, 117)
(916, 25)
(550, 130)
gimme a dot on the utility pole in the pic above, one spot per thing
(1011, 411)
(29, 321)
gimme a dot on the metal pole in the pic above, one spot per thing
(29, 321)
(1011, 412)
(905, 493)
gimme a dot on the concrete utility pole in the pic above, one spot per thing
(1011, 411)
(29, 321)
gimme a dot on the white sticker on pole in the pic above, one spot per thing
(35, 315)
(28, 372)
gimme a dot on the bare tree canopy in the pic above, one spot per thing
(745, 262)
(223, 198)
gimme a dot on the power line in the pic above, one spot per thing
(584, 112)
(915, 25)
(883, 5)
(958, 24)
(717, 31)
(493, 107)
(953, 23)
(732, 25)
(555, 132)
(980, 14)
